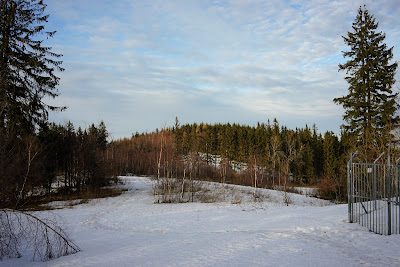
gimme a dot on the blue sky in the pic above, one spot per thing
(137, 65)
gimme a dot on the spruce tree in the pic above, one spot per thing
(370, 106)
(27, 67)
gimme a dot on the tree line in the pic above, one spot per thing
(57, 156)
(237, 153)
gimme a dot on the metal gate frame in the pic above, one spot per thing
(373, 195)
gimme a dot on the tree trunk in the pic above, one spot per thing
(255, 176)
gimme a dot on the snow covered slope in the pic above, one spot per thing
(129, 230)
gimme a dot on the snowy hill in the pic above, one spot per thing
(129, 230)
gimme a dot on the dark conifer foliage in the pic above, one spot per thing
(370, 106)
(27, 66)
(58, 160)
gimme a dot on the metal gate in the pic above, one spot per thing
(373, 195)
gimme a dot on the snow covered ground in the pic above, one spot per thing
(129, 230)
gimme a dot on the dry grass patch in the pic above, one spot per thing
(71, 199)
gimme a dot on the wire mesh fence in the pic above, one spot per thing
(373, 195)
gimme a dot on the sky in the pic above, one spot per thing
(137, 65)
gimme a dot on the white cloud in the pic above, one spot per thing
(138, 64)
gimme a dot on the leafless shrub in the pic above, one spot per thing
(208, 196)
(237, 198)
(258, 197)
(287, 199)
(21, 230)
(169, 190)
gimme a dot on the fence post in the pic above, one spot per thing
(350, 185)
(397, 187)
(349, 189)
(389, 198)
(374, 182)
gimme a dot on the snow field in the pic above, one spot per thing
(129, 230)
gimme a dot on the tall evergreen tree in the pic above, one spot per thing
(27, 67)
(370, 106)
